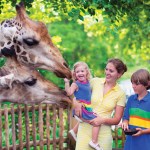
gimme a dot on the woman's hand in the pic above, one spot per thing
(77, 107)
(97, 121)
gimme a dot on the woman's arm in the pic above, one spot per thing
(70, 89)
(77, 107)
(117, 116)
(109, 121)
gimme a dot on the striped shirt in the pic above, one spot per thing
(137, 112)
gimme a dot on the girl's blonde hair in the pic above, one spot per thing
(141, 76)
(80, 63)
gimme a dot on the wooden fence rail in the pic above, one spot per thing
(39, 127)
(35, 127)
(118, 138)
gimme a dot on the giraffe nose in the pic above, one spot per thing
(59, 74)
(8, 52)
(65, 64)
(62, 75)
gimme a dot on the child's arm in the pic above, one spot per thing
(142, 131)
(146, 131)
(70, 89)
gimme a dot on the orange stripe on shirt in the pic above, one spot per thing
(139, 118)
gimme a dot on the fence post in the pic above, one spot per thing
(48, 126)
(54, 127)
(33, 127)
(27, 127)
(6, 127)
(20, 127)
(13, 127)
(0, 128)
(41, 126)
(61, 128)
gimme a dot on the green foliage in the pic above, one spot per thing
(76, 45)
(28, 3)
(2, 61)
(119, 141)
(50, 76)
(93, 30)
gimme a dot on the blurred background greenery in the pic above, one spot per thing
(92, 31)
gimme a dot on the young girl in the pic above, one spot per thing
(137, 112)
(82, 92)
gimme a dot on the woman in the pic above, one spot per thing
(106, 96)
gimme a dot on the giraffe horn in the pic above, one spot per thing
(21, 12)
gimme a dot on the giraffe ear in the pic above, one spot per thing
(8, 52)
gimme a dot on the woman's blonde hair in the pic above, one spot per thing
(141, 76)
(80, 63)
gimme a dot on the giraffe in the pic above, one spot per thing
(28, 86)
(27, 46)
(31, 43)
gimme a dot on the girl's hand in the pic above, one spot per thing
(97, 121)
(66, 80)
(124, 125)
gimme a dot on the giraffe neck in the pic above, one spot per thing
(27, 43)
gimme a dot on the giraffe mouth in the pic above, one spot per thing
(61, 75)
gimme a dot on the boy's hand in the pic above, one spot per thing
(124, 125)
(138, 133)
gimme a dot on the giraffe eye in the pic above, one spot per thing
(30, 41)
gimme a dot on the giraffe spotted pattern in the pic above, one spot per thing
(27, 46)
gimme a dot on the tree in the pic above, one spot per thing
(94, 30)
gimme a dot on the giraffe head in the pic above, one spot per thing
(32, 44)
(21, 84)
(26, 94)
